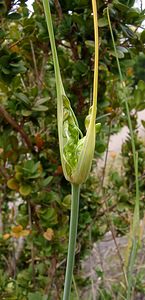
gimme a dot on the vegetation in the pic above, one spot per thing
(34, 195)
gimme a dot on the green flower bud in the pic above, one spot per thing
(76, 151)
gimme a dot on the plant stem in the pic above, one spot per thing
(32, 245)
(135, 160)
(135, 234)
(75, 288)
(72, 240)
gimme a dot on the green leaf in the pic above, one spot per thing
(25, 189)
(35, 296)
(67, 202)
(122, 49)
(49, 216)
(47, 180)
(127, 31)
(2, 33)
(41, 101)
(142, 36)
(129, 3)
(14, 16)
(26, 113)
(137, 96)
(30, 166)
(143, 123)
(120, 6)
(40, 108)
(102, 22)
(120, 53)
(141, 85)
(100, 147)
(13, 184)
(22, 97)
(90, 44)
(6, 71)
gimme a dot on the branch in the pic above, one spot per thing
(15, 126)
(34, 62)
(4, 173)
(58, 8)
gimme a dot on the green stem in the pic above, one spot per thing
(135, 225)
(52, 42)
(130, 275)
(123, 85)
(75, 288)
(72, 240)
(135, 155)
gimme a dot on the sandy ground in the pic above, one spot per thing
(118, 139)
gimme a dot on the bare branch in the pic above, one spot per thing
(58, 8)
(15, 126)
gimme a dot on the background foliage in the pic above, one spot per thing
(34, 196)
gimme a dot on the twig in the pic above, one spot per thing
(32, 245)
(4, 173)
(15, 126)
(107, 210)
(141, 6)
(75, 288)
(118, 252)
(34, 61)
(106, 156)
(41, 75)
(15, 44)
(58, 8)
(1, 219)
(51, 274)
(91, 271)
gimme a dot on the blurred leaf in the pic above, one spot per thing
(25, 189)
(47, 180)
(36, 296)
(101, 147)
(141, 85)
(67, 201)
(14, 16)
(121, 6)
(127, 31)
(143, 123)
(119, 53)
(41, 101)
(40, 108)
(13, 184)
(102, 22)
(23, 98)
(49, 216)
(142, 36)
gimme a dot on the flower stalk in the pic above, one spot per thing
(134, 239)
